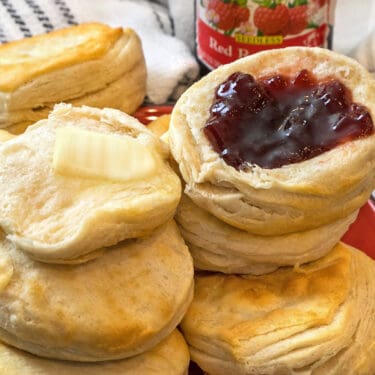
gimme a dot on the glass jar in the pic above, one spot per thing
(230, 29)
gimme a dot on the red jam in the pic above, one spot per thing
(276, 120)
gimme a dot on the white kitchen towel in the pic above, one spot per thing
(182, 12)
(354, 31)
(171, 65)
(365, 53)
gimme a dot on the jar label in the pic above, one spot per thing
(230, 29)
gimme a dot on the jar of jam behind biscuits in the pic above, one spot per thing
(230, 29)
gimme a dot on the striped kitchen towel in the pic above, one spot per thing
(171, 65)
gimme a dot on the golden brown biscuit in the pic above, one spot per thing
(5, 135)
(160, 125)
(315, 319)
(217, 246)
(294, 197)
(116, 306)
(59, 218)
(169, 357)
(91, 64)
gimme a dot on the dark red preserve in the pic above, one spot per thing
(275, 121)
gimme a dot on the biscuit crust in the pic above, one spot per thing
(83, 65)
(315, 319)
(217, 246)
(59, 219)
(116, 306)
(170, 357)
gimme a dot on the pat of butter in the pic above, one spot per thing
(90, 154)
(5, 135)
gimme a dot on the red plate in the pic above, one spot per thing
(361, 233)
(150, 113)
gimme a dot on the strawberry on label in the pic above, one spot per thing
(271, 16)
(298, 17)
(322, 3)
(228, 14)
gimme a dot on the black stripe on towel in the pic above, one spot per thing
(3, 38)
(155, 10)
(42, 17)
(16, 17)
(171, 20)
(66, 12)
(158, 19)
(167, 8)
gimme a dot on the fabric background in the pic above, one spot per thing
(171, 65)
(166, 28)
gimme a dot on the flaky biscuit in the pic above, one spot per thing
(295, 197)
(169, 357)
(59, 218)
(116, 306)
(91, 64)
(315, 319)
(217, 246)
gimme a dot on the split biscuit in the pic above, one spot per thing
(295, 197)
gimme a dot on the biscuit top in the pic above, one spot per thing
(278, 120)
(113, 307)
(51, 212)
(200, 164)
(23, 60)
(278, 305)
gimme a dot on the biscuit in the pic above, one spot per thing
(60, 218)
(116, 306)
(316, 319)
(91, 64)
(295, 197)
(170, 357)
(217, 246)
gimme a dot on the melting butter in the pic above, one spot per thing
(89, 154)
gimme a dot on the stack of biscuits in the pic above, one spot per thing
(94, 274)
(275, 291)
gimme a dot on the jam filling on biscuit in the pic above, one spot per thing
(277, 120)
